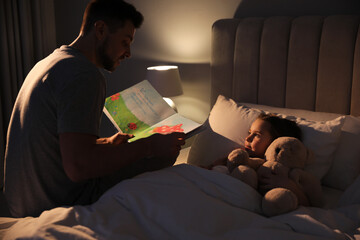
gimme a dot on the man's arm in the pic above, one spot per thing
(85, 156)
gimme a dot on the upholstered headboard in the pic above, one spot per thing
(307, 62)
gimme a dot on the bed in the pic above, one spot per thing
(303, 68)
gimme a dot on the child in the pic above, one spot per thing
(263, 131)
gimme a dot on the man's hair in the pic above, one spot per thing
(113, 12)
(281, 127)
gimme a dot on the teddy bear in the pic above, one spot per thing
(287, 157)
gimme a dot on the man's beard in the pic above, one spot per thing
(107, 63)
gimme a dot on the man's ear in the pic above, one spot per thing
(100, 29)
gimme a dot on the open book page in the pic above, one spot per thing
(140, 109)
(137, 108)
(174, 123)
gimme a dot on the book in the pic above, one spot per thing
(140, 110)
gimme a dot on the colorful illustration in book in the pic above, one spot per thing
(124, 118)
(168, 129)
(141, 111)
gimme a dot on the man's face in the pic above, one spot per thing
(116, 47)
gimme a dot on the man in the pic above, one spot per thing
(54, 156)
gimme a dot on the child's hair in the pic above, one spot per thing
(281, 127)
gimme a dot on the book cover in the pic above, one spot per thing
(141, 110)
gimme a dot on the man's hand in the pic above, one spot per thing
(116, 139)
(166, 148)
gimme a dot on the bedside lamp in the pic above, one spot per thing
(166, 80)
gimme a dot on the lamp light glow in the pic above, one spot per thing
(162, 68)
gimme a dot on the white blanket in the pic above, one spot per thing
(184, 202)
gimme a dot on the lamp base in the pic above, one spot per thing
(171, 103)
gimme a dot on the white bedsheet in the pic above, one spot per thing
(184, 202)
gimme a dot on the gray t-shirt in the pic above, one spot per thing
(64, 92)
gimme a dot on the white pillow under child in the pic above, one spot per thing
(322, 138)
(231, 121)
(227, 126)
(346, 165)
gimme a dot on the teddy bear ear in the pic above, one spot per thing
(310, 157)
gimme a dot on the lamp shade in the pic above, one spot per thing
(165, 79)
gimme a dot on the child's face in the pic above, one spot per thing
(259, 138)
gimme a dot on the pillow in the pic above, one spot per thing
(300, 113)
(208, 146)
(346, 165)
(322, 138)
(227, 126)
(232, 121)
